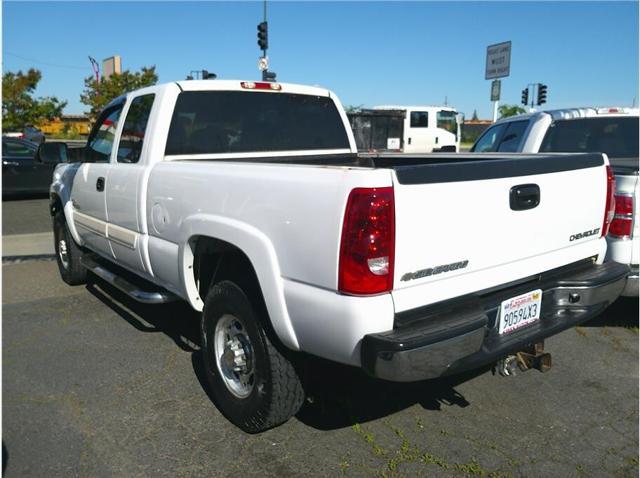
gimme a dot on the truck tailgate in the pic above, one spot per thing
(467, 225)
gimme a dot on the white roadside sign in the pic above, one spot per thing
(498, 61)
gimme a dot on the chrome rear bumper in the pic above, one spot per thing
(461, 335)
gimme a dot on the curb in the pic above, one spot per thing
(27, 245)
(29, 258)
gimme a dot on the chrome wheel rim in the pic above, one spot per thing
(63, 253)
(234, 356)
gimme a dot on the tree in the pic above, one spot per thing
(475, 116)
(353, 108)
(19, 107)
(97, 95)
(510, 110)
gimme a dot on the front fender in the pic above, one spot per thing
(60, 189)
(260, 251)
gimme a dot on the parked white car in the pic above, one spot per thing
(611, 130)
(248, 200)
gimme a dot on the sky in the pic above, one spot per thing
(368, 53)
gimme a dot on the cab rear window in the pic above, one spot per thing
(210, 122)
(615, 136)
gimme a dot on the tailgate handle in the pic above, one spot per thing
(524, 196)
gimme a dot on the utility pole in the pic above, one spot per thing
(263, 43)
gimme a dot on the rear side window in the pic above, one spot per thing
(419, 119)
(209, 122)
(134, 128)
(488, 142)
(615, 136)
(512, 136)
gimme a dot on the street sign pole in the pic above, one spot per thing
(532, 91)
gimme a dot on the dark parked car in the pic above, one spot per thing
(22, 173)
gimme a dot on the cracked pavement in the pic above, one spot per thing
(96, 385)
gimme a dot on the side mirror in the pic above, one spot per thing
(53, 153)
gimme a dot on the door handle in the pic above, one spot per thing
(100, 184)
(436, 140)
(409, 141)
(524, 196)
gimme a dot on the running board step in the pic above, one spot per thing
(158, 296)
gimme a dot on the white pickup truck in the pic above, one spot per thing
(248, 200)
(610, 130)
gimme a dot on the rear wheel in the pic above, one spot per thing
(68, 254)
(254, 385)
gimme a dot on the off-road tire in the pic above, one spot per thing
(72, 272)
(277, 393)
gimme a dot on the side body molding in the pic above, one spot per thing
(260, 251)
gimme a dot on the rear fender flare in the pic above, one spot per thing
(260, 251)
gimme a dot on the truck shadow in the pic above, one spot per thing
(340, 396)
(176, 320)
(622, 313)
(337, 395)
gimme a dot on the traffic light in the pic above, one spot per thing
(268, 75)
(208, 76)
(542, 94)
(525, 96)
(263, 36)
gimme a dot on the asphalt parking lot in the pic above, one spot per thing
(97, 385)
(26, 215)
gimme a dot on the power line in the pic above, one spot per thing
(46, 63)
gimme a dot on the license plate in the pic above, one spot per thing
(520, 311)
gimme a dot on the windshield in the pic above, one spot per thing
(615, 136)
(447, 120)
(207, 122)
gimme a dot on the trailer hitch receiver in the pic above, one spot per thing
(533, 356)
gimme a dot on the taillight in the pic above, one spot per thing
(609, 209)
(368, 242)
(622, 224)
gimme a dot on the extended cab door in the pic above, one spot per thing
(88, 192)
(125, 186)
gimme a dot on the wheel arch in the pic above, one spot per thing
(221, 235)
